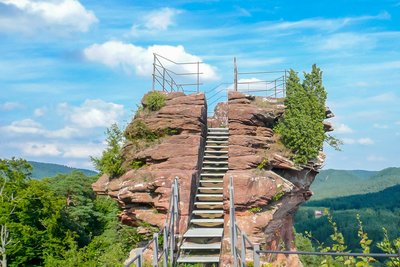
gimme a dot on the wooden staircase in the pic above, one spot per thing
(202, 240)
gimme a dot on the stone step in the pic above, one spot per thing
(218, 129)
(209, 222)
(214, 168)
(217, 137)
(211, 183)
(204, 232)
(198, 259)
(212, 174)
(217, 142)
(209, 204)
(215, 162)
(215, 152)
(215, 157)
(216, 147)
(190, 245)
(210, 189)
(209, 197)
(218, 133)
(197, 212)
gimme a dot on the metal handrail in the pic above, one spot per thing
(168, 232)
(166, 77)
(278, 85)
(239, 254)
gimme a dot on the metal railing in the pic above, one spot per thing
(165, 79)
(164, 255)
(271, 83)
(240, 243)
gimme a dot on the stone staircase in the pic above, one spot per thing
(202, 240)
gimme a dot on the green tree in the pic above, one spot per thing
(301, 128)
(111, 159)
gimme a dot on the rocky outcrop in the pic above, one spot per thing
(269, 187)
(143, 191)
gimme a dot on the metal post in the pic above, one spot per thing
(154, 72)
(232, 222)
(155, 250)
(165, 247)
(140, 259)
(198, 76)
(171, 85)
(284, 85)
(235, 74)
(172, 237)
(256, 256)
(163, 80)
(243, 251)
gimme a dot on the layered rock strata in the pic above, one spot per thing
(143, 191)
(269, 187)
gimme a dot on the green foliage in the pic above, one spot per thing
(304, 244)
(255, 209)
(111, 160)
(302, 129)
(138, 130)
(278, 194)
(263, 164)
(391, 247)
(138, 163)
(154, 101)
(59, 221)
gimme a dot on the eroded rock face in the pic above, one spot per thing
(269, 187)
(144, 193)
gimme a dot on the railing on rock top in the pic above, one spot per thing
(166, 73)
(240, 243)
(270, 83)
(165, 255)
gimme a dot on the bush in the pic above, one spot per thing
(138, 130)
(154, 101)
(111, 160)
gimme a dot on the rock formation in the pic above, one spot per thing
(269, 187)
(143, 192)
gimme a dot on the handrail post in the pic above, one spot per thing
(235, 74)
(284, 85)
(163, 80)
(140, 259)
(256, 256)
(198, 76)
(243, 250)
(154, 72)
(165, 247)
(155, 250)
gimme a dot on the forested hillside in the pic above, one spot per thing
(41, 170)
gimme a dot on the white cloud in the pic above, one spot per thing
(26, 126)
(44, 14)
(323, 24)
(161, 19)
(375, 158)
(343, 41)
(7, 106)
(40, 149)
(342, 129)
(129, 57)
(365, 141)
(397, 122)
(360, 141)
(93, 113)
(82, 150)
(380, 126)
(39, 112)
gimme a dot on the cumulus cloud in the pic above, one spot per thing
(92, 113)
(82, 150)
(8, 106)
(39, 112)
(375, 158)
(131, 58)
(342, 129)
(27, 15)
(160, 19)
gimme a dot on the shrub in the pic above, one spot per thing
(138, 163)
(111, 160)
(138, 130)
(255, 209)
(154, 101)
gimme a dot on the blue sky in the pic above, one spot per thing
(70, 68)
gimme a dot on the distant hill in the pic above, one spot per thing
(337, 183)
(41, 170)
